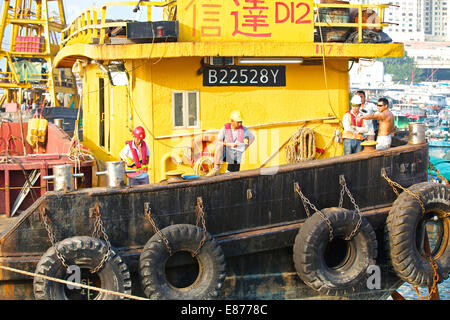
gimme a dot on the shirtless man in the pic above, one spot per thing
(386, 124)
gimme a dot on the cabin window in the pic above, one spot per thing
(185, 109)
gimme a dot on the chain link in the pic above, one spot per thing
(148, 216)
(433, 168)
(47, 224)
(306, 201)
(395, 185)
(99, 230)
(341, 200)
(434, 265)
(433, 289)
(200, 218)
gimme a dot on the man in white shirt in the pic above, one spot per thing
(370, 109)
(232, 138)
(353, 127)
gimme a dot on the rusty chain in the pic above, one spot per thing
(306, 201)
(148, 216)
(47, 224)
(433, 263)
(200, 218)
(99, 230)
(344, 188)
(433, 168)
(434, 287)
(395, 185)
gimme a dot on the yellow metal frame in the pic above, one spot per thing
(85, 27)
(27, 18)
(359, 25)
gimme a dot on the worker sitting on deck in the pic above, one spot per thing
(386, 120)
(231, 145)
(136, 155)
(353, 127)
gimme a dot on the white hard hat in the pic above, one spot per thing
(356, 99)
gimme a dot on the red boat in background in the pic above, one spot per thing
(23, 167)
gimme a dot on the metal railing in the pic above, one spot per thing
(92, 22)
(357, 12)
(7, 77)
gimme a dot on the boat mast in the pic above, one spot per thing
(34, 28)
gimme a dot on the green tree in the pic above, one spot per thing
(403, 69)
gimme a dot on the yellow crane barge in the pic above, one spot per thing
(323, 225)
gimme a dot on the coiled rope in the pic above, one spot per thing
(302, 146)
(203, 165)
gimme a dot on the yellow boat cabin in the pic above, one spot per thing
(284, 65)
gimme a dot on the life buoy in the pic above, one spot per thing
(406, 227)
(86, 253)
(182, 238)
(338, 267)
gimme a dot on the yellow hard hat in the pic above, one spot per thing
(236, 116)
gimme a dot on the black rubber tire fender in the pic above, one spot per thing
(310, 247)
(85, 252)
(404, 225)
(182, 237)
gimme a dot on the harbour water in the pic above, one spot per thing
(408, 292)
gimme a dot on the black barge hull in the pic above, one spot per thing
(254, 215)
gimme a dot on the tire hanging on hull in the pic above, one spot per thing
(182, 237)
(86, 253)
(315, 257)
(406, 226)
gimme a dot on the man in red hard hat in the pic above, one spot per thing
(136, 155)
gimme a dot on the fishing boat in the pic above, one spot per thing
(321, 226)
(406, 113)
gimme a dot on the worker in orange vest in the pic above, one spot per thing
(354, 127)
(136, 154)
(231, 144)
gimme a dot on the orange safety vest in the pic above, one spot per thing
(352, 135)
(136, 162)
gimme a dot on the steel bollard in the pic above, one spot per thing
(62, 177)
(115, 174)
(416, 133)
(59, 123)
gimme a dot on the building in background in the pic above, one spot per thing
(424, 27)
(417, 20)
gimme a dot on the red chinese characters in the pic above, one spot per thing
(251, 18)
(209, 17)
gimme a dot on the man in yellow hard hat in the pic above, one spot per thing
(231, 144)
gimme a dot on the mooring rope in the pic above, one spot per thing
(302, 146)
(74, 284)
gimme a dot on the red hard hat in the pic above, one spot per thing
(139, 133)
